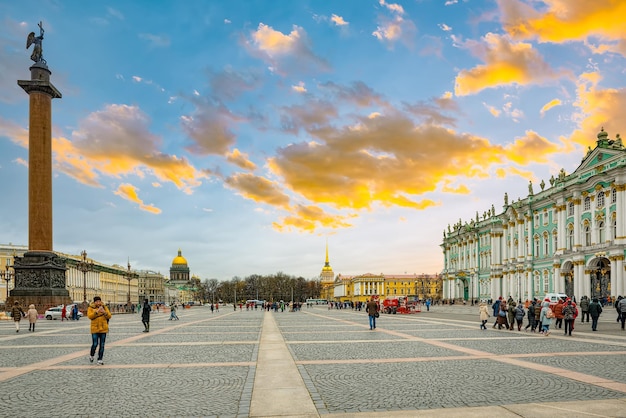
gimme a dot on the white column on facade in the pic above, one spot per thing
(558, 280)
(561, 210)
(580, 280)
(529, 285)
(619, 269)
(619, 210)
(615, 291)
(520, 239)
(577, 237)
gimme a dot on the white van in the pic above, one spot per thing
(554, 297)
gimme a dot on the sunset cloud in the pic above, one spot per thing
(506, 63)
(338, 20)
(240, 159)
(258, 189)
(394, 27)
(285, 52)
(129, 192)
(597, 23)
(597, 108)
(116, 142)
(552, 103)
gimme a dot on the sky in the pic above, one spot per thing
(249, 134)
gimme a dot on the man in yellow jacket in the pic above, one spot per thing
(99, 315)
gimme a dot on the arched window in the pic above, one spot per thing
(570, 209)
(555, 240)
(587, 204)
(587, 232)
(546, 281)
(546, 244)
(536, 283)
(600, 200)
(601, 237)
(614, 226)
(536, 254)
(570, 236)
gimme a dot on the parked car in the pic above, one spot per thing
(55, 312)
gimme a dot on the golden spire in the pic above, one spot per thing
(327, 266)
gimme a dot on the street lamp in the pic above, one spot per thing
(7, 277)
(84, 266)
(129, 276)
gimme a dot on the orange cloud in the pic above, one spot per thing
(338, 20)
(568, 20)
(240, 159)
(309, 218)
(280, 50)
(115, 142)
(597, 108)
(129, 192)
(531, 148)
(552, 103)
(506, 63)
(258, 189)
(395, 27)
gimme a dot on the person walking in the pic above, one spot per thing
(511, 313)
(496, 311)
(584, 308)
(546, 317)
(145, 315)
(372, 312)
(558, 314)
(519, 315)
(569, 312)
(173, 315)
(615, 305)
(484, 315)
(64, 313)
(17, 313)
(99, 315)
(531, 316)
(622, 308)
(32, 317)
(594, 311)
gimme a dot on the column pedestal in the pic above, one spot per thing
(40, 280)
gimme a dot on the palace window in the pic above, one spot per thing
(555, 239)
(536, 246)
(546, 217)
(546, 244)
(587, 205)
(546, 281)
(587, 231)
(600, 200)
(570, 209)
(613, 195)
(570, 236)
(537, 283)
(614, 226)
(601, 237)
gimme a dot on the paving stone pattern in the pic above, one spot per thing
(204, 365)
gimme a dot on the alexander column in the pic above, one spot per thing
(40, 273)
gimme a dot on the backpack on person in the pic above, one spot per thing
(549, 313)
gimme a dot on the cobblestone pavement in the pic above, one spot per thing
(435, 363)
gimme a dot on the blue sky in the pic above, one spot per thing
(250, 133)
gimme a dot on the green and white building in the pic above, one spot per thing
(569, 237)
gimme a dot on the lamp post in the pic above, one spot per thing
(84, 266)
(6, 275)
(129, 276)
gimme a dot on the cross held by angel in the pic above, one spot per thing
(37, 54)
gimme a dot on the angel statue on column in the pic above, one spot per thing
(37, 54)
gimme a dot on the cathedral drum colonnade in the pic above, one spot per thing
(568, 238)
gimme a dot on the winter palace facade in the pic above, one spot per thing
(569, 237)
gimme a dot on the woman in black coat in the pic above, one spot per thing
(145, 315)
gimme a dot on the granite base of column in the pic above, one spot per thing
(39, 280)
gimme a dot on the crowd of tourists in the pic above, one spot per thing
(540, 315)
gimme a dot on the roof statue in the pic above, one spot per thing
(37, 54)
(542, 184)
(530, 188)
(506, 199)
